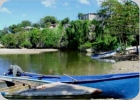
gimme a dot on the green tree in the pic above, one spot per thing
(77, 33)
(65, 21)
(23, 40)
(48, 19)
(15, 28)
(53, 36)
(25, 23)
(36, 25)
(9, 40)
(122, 19)
(35, 37)
(80, 16)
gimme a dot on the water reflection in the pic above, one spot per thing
(72, 63)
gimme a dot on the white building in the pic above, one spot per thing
(28, 27)
(91, 16)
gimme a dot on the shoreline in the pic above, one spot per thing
(25, 51)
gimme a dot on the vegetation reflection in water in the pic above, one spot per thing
(59, 63)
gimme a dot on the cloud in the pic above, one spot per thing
(84, 2)
(2, 2)
(5, 10)
(65, 4)
(99, 2)
(49, 3)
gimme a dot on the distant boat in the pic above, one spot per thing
(119, 86)
(132, 48)
(103, 55)
(129, 48)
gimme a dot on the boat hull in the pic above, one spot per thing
(125, 85)
(98, 56)
(50, 91)
(120, 88)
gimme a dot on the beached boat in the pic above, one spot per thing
(31, 88)
(124, 85)
(130, 49)
(103, 55)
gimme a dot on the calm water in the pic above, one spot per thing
(71, 63)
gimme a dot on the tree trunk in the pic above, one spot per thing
(137, 39)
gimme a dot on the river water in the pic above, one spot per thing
(58, 63)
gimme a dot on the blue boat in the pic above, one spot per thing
(103, 55)
(118, 86)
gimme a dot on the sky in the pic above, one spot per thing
(15, 11)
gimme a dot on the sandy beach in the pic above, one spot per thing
(125, 66)
(25, 51)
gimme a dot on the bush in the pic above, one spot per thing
(26, 44)
(86, 45)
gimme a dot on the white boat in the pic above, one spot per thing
(129, 48)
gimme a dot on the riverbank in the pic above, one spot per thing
(25, 51)
(125, 63)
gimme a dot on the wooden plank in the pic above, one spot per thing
(1, 81)
(25, 80)
(48, 89)
(55, 90)
(10, 91)
(5, 88)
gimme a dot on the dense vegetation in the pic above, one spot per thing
(119, 27)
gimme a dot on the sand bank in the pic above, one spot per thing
(25, 51)
(125, 66)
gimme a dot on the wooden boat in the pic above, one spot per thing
(103, 55)
(124, 85)
(51, 90)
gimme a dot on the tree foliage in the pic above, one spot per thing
(80, 16)
(65, 21)
(47, 20)
(25, 23)
(118, 27)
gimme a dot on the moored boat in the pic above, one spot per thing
(103, 55)
(124, 85)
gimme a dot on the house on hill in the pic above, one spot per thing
(91, 16)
